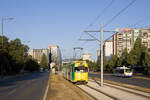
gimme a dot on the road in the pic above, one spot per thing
(27, 87)
(132, 81)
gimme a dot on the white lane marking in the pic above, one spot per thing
(46, 91)
(11, 92)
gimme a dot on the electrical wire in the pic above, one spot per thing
(121, 11)
(138, 22)
(100, 15)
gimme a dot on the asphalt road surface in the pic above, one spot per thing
(132, 81)
(27, 87)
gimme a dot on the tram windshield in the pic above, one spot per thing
(81, 69)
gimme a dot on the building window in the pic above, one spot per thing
(145, 35)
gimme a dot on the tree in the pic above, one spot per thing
(31, 64)
(112, 63)
(139, 54)
(137, 50)
(105, 62)
(4, 44)
(130, 60)
(5, 58)
(92, 65)
(18, 52)
(122, 61)
(44, 61)
(5, 67)
(145, 57)
(12, 55)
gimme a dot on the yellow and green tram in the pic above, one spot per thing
(77, 72)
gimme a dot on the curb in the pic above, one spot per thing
(47, 87)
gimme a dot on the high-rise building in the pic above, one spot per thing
(108, 49)
(86, 56)
(126, 38)
(55, 54)
(37, 54)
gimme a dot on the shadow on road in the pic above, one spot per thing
(21, 78)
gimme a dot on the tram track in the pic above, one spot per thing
(113, 97)
(89, 92)
(98, 94)
(129, 91)
(86, 93)
(123, 89)
(129, 86)
(95, 92)
(92, 95)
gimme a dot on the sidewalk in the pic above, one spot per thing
(61, 89)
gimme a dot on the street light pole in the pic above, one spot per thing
(4, 18)
(3, 39)
(2, 30)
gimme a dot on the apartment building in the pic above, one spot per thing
(126, 37)
(37, 54)
(108, 49)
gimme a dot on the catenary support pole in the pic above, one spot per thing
(101, 43)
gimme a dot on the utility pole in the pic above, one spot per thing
(50, 59)
(101, 43)
(4, 18)
(2, 31)
(2, 49)
(2, 26)
(101, 46)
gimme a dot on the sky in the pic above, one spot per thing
(62, 22)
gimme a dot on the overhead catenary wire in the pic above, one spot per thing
(121, 11)
(138, 22)
(134, 25)
(100, 15)
(114, 17)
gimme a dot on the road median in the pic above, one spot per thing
(61, 89)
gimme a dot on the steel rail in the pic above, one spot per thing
(135, 93)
